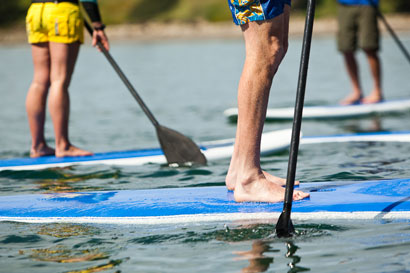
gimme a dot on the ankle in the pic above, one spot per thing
(248, 179)
(63, 146)
(38, 145)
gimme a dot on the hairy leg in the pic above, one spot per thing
(231, 176)
(264, 52)
(375, 69)
(353, 72)
(36, 100)
(63, 59)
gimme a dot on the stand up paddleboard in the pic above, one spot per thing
(385, 199)
(331, 112)
(271, 142)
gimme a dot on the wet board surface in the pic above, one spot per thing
(272, 142)
(332, 111)
(384, 199)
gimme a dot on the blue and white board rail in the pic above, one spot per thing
(385, 199)
(331, 112)
(272, 142)
(403, 136)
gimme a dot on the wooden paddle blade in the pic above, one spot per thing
(284, 227)
(178, 148)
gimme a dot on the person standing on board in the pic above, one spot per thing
(264, 26)
(55, 32)
(358, 27)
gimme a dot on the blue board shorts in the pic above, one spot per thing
(245, 11)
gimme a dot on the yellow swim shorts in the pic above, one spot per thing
(51, 22)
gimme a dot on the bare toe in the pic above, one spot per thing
(299, 195)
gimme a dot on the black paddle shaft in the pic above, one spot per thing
(390, 29)
(124, 78)
(177, 148)
(284, 227)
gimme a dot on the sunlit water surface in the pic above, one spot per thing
(187, 85)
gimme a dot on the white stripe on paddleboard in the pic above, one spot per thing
(363, 215)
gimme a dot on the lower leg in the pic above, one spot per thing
(35, 107)
(375, 69)
(253, 184)
(36, 100)
(353, 72)
(63, 58)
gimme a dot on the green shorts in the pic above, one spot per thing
(357, 28)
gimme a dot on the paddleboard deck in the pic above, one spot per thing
(331, 112)
(272, 142)
(384, 199)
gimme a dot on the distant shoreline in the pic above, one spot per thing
(201, 30)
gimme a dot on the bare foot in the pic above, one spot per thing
(353, 98)
(71, 151)
(42, 150)
(374, 97)
(277, 180)
(259, 189)
(230, 180)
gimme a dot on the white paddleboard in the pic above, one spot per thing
(272, 142)
(331, 112)
(359, 137)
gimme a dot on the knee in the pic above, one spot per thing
(349, 55)
(285, 45)
(276, 54)
(60, 83)
(40, 84)
(370, 53)
(41, 77)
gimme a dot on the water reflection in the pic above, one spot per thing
(262, 236)
(65, 180)
(259, 262)
(373, 124)
(82, 253)
(291, 250)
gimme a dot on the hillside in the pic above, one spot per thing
(186, 11)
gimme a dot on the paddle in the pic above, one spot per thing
(284, 226)
(393, 34)
(177, 148)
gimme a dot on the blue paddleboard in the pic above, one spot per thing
(384, 199)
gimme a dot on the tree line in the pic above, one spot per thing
(139, 11)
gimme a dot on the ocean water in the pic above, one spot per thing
(188, 84)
